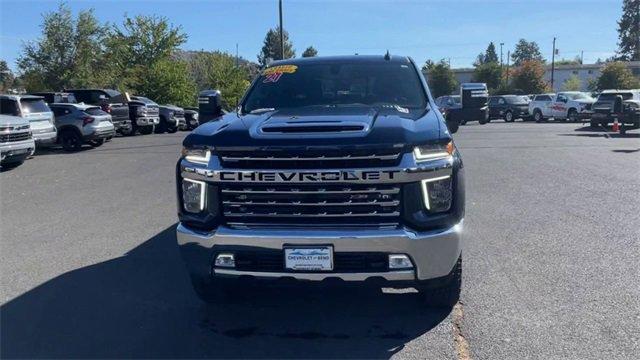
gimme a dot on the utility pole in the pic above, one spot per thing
(553, 62)
(501, 55)
(236, 54)
(281, 32)
(449, 61)
(581, 57)
(508, 55)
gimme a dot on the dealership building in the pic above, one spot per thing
(585, 72)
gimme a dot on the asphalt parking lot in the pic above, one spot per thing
(90, 267)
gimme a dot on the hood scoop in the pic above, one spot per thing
(319, 127)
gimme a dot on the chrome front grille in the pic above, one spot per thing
(15, 137)
(311, 205)
(310, 159)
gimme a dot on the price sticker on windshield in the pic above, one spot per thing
(273, 74)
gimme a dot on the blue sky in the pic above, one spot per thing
(458, 30)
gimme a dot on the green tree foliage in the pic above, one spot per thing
(528, 78)
(137, 45)
(629, 31)
(6, 77)
(616, 75)
(70, 52)
(218, 70)
(489, 73)
(572, 83)
(575, 61)
(441, 79)
(271, 47)
(168, 81)
(310, 52)
(525, 51)
(489, 56)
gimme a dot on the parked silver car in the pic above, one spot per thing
(81, 124)
(16, 141)
(35, 110)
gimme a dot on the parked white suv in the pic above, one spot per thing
(16, 142)
(568, 105)
(36, 111)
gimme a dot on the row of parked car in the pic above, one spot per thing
(81, 116)
(600, 111)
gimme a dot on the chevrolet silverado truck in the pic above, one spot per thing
(332, 169)
(16, 141)
(569, 105)
(171, 118)
(623, 105)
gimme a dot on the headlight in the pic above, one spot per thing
(434, 151)
(195, 116)
(193, 195)
(437, 193)
(141, 110)
(197, 155)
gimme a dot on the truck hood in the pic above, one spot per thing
(320, 126)
(12, 121)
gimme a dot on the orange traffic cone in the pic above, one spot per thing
(616, 126)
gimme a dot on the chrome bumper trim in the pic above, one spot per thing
(404, 275)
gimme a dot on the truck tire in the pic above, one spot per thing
(508, 116)
(146, 130)
(446, 296)
(70, 140)
(463, 122)
(537, 116)
(172, 129)
(572, 115)
(162, 126)
(96, 142)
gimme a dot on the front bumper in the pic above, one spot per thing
(147, 120)
(433, 253)
(16, 151)
(45, 138)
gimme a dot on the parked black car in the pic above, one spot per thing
(508, 107)
(51, 97)
(191, 116)
(144, 113)
(171, 119)
(110, 101)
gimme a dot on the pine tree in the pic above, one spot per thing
(629, 31)
(526, 51)
(310, 52)
(271, 48)
(490, 55)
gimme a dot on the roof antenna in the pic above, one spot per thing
(387, 56)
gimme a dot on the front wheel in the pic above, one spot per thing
(172, 129)
(145, 130)
(508, 116)
(573, 115)
(448, 295)
(97, 142)
(537, 116)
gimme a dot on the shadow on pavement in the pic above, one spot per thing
(141, 305)
(588, 131)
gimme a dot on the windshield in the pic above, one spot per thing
(291, 86)
(517, 99)
(578, 96)
(30, 106)
(456, 99)
(143, 99)
(612, 96)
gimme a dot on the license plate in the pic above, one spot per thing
(309, 258)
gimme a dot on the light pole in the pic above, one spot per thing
(501, 55)
(281, 32)
(553, 63)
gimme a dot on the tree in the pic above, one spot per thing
(218, 70)
(136, 46)
(576, 61)
(6, 77)
(442, 80)
(629, 31)
(529, 78)
(168, 81)
(572, 83)
(70, 52)
(271, 47)
(489, 56)
(616, 75)
(489, 73)
(526, 50)
(310, 52)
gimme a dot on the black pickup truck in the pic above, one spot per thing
(110, 101)
(332, 169)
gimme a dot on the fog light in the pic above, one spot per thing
(437, 193)
(399, 261)
(225, 260)
(193, 195)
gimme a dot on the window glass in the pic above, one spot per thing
(30, 106)
(9, 107)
